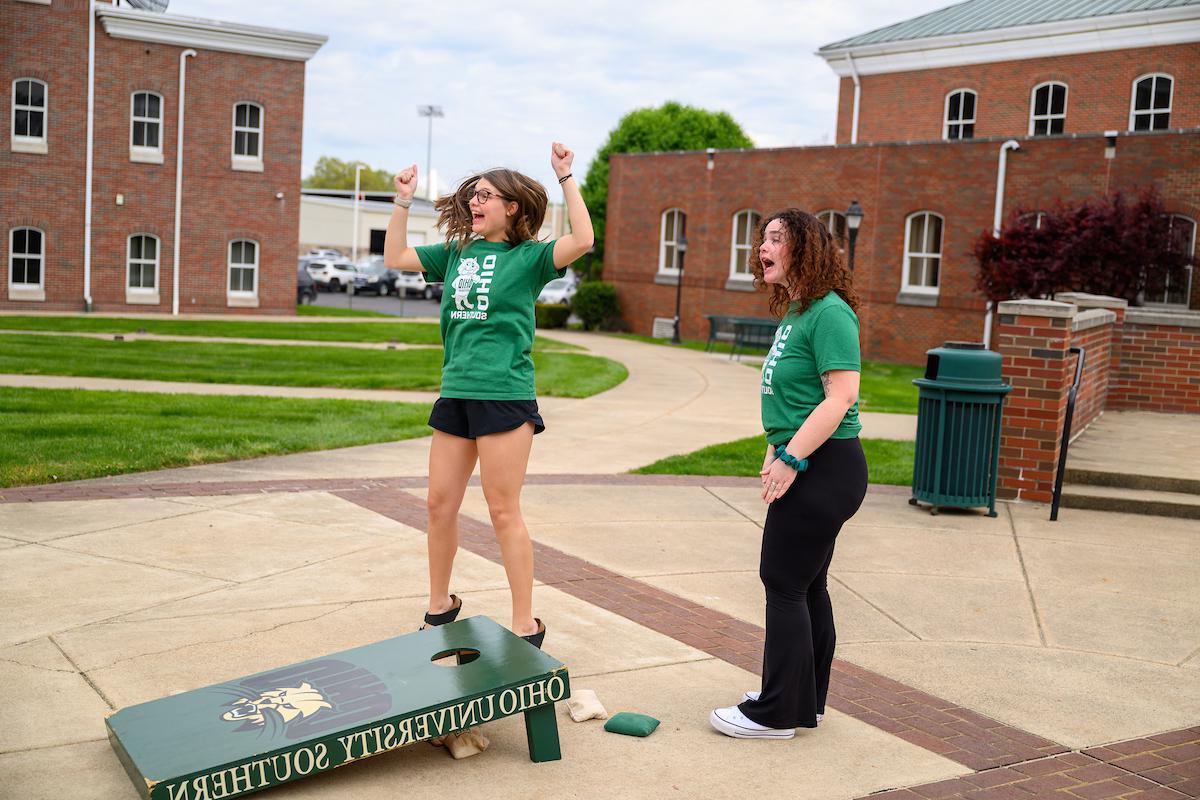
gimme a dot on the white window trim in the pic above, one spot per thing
(663, 269)
(905, 286)
(36, 2)
(1151, 111)
(140, 295)
(747, 248)
(247, 163)
(30, 144)
(1034, 119)
(241, 297)
(820, 217)
(946, 123)
(141, 153)
(26, 291)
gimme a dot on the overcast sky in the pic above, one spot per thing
(512, 76)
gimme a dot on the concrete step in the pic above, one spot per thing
(1157, 483)
(1131, 501)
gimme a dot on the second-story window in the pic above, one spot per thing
(145, 133)
(1048, 111)
(960, 115)
(1151, 103)
(30, 107)
(247, 135)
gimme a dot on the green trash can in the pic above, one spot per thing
(958, 428)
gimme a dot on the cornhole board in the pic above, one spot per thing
(234, 738)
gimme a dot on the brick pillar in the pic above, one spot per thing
(1033, 338)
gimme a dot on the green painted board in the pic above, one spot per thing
(248, 734)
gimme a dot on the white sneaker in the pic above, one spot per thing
(732, 722)
(754, 696)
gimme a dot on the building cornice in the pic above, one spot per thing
(207, 34)
(1156, 28)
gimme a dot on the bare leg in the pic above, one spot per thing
(503, 459)
(451, 461)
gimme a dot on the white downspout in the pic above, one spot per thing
(1002, 168)
(857, 97)
(87, 180)
(183, 57)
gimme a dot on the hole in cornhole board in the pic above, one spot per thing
(455, 658)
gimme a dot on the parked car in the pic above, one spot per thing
(373, 277)
(412, 282)
(306, 287)
(325, 252)
(558, 291)
(432, 291)
(332, 276)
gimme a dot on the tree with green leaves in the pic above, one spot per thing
(333, 173)
(671, 126)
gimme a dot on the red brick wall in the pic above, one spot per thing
(1093, 390)
(954, 179)
(219, 204)
(1159, 369)
(910, 106)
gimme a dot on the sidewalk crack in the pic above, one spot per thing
(83, 674)
(1037, 615)
(895, 621)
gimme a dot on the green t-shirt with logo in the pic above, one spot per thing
(487, 314)
(822, 338)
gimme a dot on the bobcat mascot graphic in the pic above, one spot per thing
(468, 276)
(287, 704)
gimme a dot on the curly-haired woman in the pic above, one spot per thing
(814, 474)
(487, 411)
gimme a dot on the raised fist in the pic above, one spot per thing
(406, 182)
(561, 159)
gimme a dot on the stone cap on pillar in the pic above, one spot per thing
(1037, 308)
(1088, 300)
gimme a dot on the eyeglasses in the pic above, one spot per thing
(484, 195)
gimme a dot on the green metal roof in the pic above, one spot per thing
(983, 15)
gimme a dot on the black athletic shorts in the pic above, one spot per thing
(471, 419)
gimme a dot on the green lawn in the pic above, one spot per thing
(335, 311)
(558, 374)
(50, 435)
(402, 332)
(888, 461)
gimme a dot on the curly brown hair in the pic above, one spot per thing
(454, 210)
(816, 266)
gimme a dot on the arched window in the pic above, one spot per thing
(745, 225)
(1033, 219)
(960, 115)
(30, 115)
(922, 252)
(1183, 240)
(835, 221)
(1150, 106)
(247, 136)
(1048, 109)
(243, 267)
(141, 264)
(145, 126)
(26, 259)
(674, 228)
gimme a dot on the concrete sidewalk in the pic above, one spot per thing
(980, 658)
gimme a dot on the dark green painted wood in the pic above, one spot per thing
(234, 738)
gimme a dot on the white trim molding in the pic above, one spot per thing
(207, 34)
(1155, 28)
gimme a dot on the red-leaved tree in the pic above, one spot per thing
(1109, 246)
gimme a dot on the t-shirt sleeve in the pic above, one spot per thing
(544, 260)
(435, 258)
(835, 340)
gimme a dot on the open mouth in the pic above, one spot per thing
(766, 262)
(477, 219)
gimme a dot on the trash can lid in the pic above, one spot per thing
(963, 365)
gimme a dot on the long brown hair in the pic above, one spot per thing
(816, 266)
(454, 210)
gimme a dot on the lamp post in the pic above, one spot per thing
(680, 251)
(358, 168)
(854, 216)
(431, 112)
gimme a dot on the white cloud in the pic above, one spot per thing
(513, 77)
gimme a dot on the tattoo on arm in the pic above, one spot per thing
(826, 383)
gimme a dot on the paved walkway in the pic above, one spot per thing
(980, 658)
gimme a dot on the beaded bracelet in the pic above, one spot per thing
(798, 464)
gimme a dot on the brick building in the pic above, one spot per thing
(1065, 102)
(221, 215)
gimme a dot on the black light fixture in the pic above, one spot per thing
(680, 252)
(854, 216)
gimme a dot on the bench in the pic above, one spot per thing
(274, 727)
(743, 333)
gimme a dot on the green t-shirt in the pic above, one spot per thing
(487, 314)
(807, 345)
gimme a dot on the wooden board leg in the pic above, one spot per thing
(541, 730)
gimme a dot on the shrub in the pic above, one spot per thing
(596, 304)
(551, 315)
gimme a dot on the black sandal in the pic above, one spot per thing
(446, 617)
(535, 639)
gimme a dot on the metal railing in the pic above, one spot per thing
(1072, 393)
